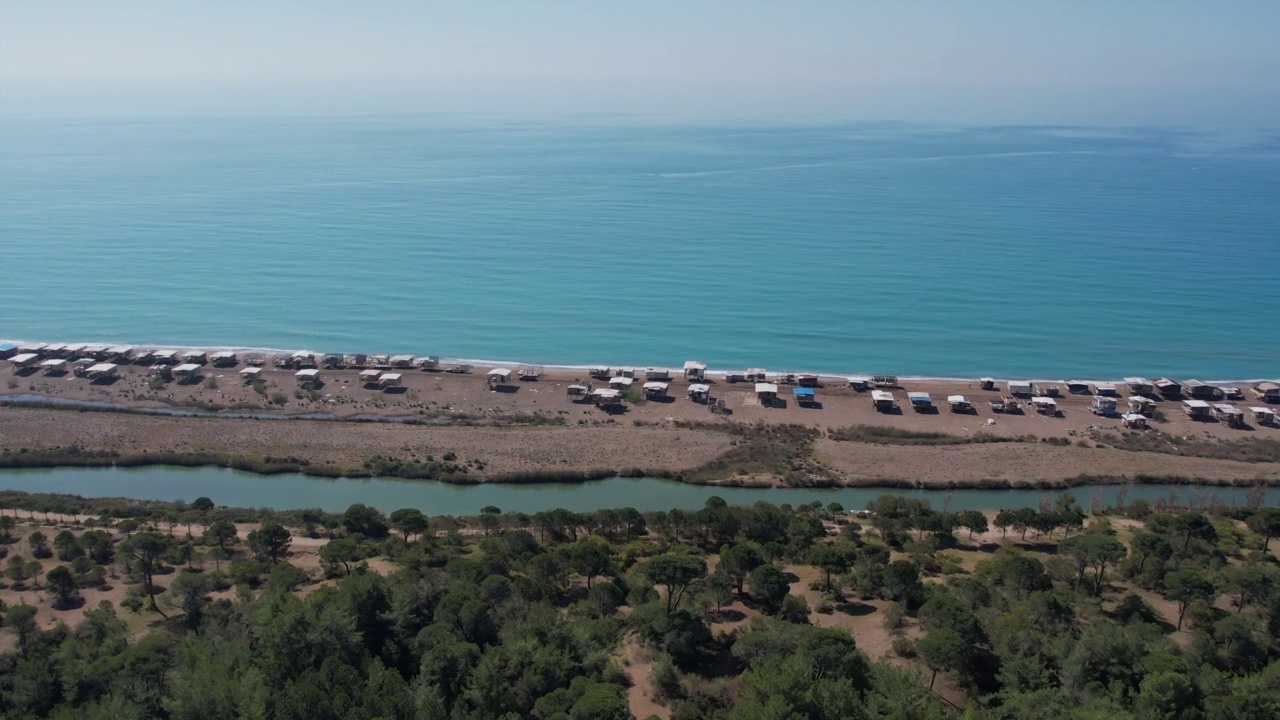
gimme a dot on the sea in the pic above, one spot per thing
(886, 248)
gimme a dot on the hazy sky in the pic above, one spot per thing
(1156, 61)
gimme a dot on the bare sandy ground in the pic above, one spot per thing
(642, 435)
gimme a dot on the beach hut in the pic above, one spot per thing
(655, 390)
(808, 381)
(355, 360)
(307, 377)
(1045, 405)
(164, 357)
(24, 361)
(882, 400)
(1135, 421)
(1077, 387)
(32, 349)
(1232, 393)
(459, 368)
(626, 372)
(1141, 405)
(194, 357)
(498, 377)
(1139, 385)
(699, 392)
(388, 380)
(430, 363)
(8, 350)
(120, 353)
(920, 401)
(987, 383)
(657, 374)
(160, 372)
(101, 372)
(369, 376)
(885, 381)
(1196, 409)
(81, 367)
(577, 392)
(303, 360)
(1267, 391)
(804, 396)
(54, 366)
(1052, 391)
(1263, 416)
(695, 371)
(529, 373)
(959, 403)
(1105, 390)
(1229, 414)
(1105, 406)
(735, 376)
(187, 372)
(97, 352)
(401, 361)
(331, 361)
(621, 382)
(757, 375)
(1198, 390)
(600, 372)
(861, 384)
(766, 393)
(224, 358)
(1166, 387)
(606, 397)
(1019, 388)
(250, 374)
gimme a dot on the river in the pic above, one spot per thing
(283, 492)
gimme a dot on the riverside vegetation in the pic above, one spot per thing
(726, 612)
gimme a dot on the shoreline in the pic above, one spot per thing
(583, 367)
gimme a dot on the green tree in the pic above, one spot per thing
(676, 573)
(1148, 545)
(768, 586)
(271, 542)
(1092, 551)
(97, 543)
(973, 521)
(410, 521)
(22, 620)
(942, 649)
(148, 549)
(61, 583)
(39, 544)
(737, 561)
(220, 534)
(1265, 522)
(1250, 580)
(340, 551)
(7, 524)
(831, 560)
(1166, 695)
(360, 519)
(1186, 586)
(67, 547)
(589, 557)
(190, 590)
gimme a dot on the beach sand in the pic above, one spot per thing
(552, 432)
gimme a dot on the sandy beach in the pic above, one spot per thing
(531, 426)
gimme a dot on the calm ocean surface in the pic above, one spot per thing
(860, 248)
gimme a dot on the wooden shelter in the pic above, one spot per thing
(883, 401)
(654, 390)
(695, 371)
(959, 403)
(1196, 409)
(699, 392)
(307, 377)
(498, 377)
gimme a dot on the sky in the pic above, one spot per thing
(1028, 61)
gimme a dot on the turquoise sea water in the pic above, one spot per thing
(1043, 252)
